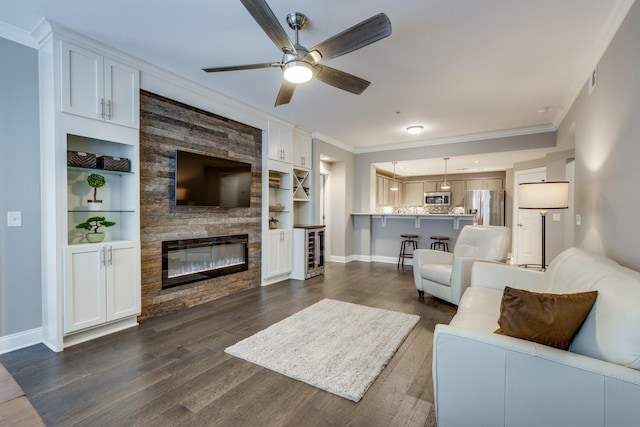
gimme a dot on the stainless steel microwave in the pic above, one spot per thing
(440, 198)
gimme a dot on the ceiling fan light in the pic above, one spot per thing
(297, 72)
(414, 130)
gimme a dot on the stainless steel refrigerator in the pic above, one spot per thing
(487, 205)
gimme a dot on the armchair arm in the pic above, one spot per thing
(428, 256)
(461, 275)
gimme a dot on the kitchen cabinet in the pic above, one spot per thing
(99, 88)
(414, 193)
(458, 188)
(280, 142)
(384, 195)
(101, 284)
(430, 186)
(302, 149)
(279, 253)
(484, 184)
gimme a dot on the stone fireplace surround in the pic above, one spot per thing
(167, 125)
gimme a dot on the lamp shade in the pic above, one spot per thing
(544, 195)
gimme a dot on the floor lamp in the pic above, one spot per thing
(543, 196)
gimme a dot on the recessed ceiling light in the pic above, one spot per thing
(414, 130)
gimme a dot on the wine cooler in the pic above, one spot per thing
(308, 251)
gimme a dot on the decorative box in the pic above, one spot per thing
(114, 163)
(81, 159)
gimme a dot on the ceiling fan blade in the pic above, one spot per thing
(241, 67)
(341, 80)
(285, 93)
(360, 35)
(264, 16)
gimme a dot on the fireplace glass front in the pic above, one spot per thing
(190, 260)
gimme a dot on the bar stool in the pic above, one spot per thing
(408, 240)
(441, 243)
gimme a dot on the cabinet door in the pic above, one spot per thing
(379, 191)
(82, 82)
(493, 184)
(84, 287)
(458, 193)
(122, 94)
(413, 194)
(123, 280)
(475, 184)
(279, 257)
(302, 149)
(280, 142)
(430, 186)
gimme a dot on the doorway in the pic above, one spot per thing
(527, 242)
(325, 207)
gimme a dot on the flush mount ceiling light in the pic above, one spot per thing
(445, 185)
(394, 184)
(297, 71)
(414, 130)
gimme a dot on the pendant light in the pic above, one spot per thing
(394, 184)
(445, 185)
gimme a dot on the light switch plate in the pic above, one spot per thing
(14, 219)
(556, 217)
(578, 219)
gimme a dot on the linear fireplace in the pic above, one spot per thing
(190, 260)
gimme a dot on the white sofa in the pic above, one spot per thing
(485, 379)
(446, 275)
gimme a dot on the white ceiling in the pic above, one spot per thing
(457, 67)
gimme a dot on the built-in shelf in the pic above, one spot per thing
(96, 170)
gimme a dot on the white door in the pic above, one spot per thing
(84, 287)
(123, 280)
(528, 230)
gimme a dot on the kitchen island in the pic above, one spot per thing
(377, 235)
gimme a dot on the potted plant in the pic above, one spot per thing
(273, 222)
(95, 181)
(93, 224)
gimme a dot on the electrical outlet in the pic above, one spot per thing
(14, 219)
(556, 217)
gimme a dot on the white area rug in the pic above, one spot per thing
(336, 346)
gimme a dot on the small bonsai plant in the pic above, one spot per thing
(273, 222)
(95, 180)
(92, 225)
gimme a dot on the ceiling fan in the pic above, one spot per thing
(300, 64)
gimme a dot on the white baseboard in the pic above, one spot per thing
(20, 340)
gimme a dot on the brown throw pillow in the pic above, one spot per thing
(549, 319)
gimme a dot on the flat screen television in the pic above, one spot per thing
(211, 181)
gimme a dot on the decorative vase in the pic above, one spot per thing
(273, 225)
(94, 206)
(94, 237)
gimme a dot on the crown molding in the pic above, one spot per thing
(332, 141)
(17, 35)
(459, 139)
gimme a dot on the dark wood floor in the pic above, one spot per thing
(173, 371)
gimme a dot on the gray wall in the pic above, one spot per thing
(20, 283)
(341, 204)
(606, 129)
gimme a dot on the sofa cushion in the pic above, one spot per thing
(478, 309)
(439, 273)
(549, 319)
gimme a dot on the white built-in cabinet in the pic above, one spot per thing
(100, 284)
(89, 102)
(280, 259)
(280, 142)
(287, 195)
(99, 87)
(302, 149)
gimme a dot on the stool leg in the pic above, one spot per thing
(401, 256)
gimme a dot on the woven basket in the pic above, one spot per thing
(114, 163)
(81, 159)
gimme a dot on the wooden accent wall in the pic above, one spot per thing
(167, 125)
